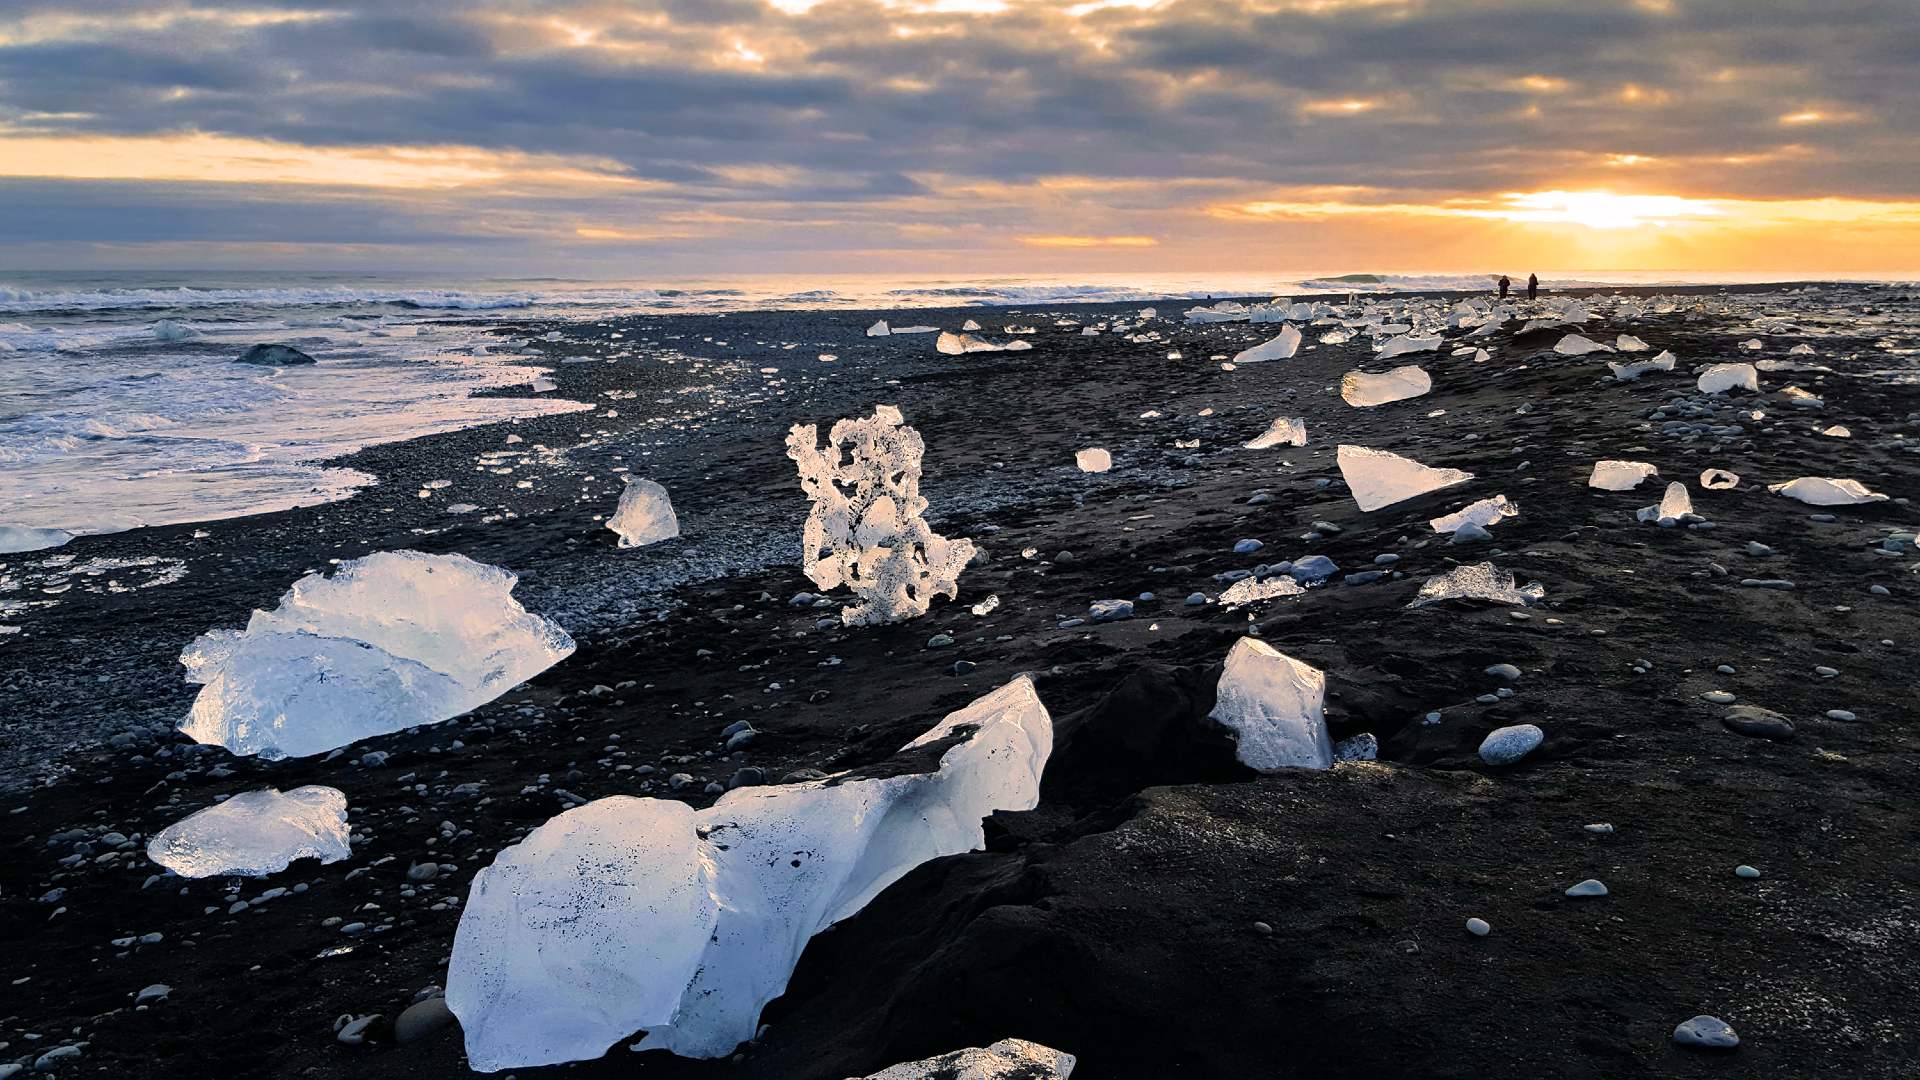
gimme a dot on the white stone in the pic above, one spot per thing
(1378, 478)
(255, 833)
(630, 914)
(865, 530)
(1273, 704)
(645, 514)
(392, 640)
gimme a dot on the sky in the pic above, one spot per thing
(690, 137)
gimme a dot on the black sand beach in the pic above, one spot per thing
(1165, 912)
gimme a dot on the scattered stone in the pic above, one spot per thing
(1589, 887)
(1479, 927)
(1706, 1033)
(1745, 871)
(422, 1019)
(1507, 745)
(1757, 723)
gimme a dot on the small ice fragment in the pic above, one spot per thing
(1008, 1059)
(970, 325)
(1250, 590)
(985, 607)
(1282, 346)
(1719, 479)
(1837, 431)
(541, 384)
(1093, 460)
(1483, 513)
(1674, 504)
(645, 514)
(879, 329)
(1720, 378)
(1620, 475)
(1286, 431)
(1629, 343)
(1364, 391)
(1378, 478)
(1634, 369)
(1273, 705)
(1825, 491)
(255, 833)
(1407, 343)
(1576, 345)
(1478, 581)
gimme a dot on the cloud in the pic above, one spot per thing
(842, 128)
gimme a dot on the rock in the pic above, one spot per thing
(1589, 887)
(1313, 568)
(422, 1019)
(1718, 697)
(1506, 745)
(151, 994)
(354, 1031)
(1470, 534)
(274, 356)
(1599, 827)
(1745, 871)
(1504, 671)
(1706, 1033)
(1110, 610)
(1841, 714)
(425, 871)
(1479, 927)
(1196, 599)
(1361, 747)
(1757, 723)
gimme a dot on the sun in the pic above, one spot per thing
(1602, 209)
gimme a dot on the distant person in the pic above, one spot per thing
(1533, 286)
(1505, 285)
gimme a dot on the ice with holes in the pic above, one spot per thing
(392, 640)
(1825, 491)
(1635, 368)
(1478, 581)
(1008, 1059)
(631, 914)
(1364, 391)
(1282, 346)
(645, 514)
(255, 833)
(865, 530)
(1275, 707)
(1483, 513)
(1379, 478)
(1620, 475)
(1674, 504)
(1286, 431)
(1253, 590)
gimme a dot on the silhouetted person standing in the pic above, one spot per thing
(1504, 286)
(1533, 286)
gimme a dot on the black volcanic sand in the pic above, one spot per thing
(1165, 912)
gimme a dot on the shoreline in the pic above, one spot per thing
(1136, 883)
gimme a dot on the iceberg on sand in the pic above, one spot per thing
(1478, 581)
(1674, 504)
(1252, 590)
(1822, 491)
(1378, 478)
(1008, 1059)
(645, 514)
(953, 344)
(255, 833)
(1364, 391)
(865, 530)
(1483, 513)
(1576, 345)
(1274, 705)
(1635, 368)
(1720, 378)
(1093, 460)
(1620, 475)
(629, 913)
(392, 640)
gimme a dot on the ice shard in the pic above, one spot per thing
(1378, 478)
(1282, 346)
(1823, 491)
(1620, 475)
(1273, 704)
(255, 833)
(1364, 391)
(1286, 431)
(645, 514)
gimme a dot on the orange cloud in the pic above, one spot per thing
(1089, 241)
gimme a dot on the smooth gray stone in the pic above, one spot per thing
(1507, 745)
(422, 1019)
(1757, 723)
(1706, 1033)
(274, 356)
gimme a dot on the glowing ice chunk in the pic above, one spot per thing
(1273, 705)
(1620, 475)
(1720, 378)
(255, 833)
(1286, 431)
(1093, 459)
(1823, 491)
(1008, 1059)
(1283, 345)
(1364, 391)
(1378, 478)
(645, 514)
(1674, 504)
(1478, 581)
(1576, 345)
(1483, 513)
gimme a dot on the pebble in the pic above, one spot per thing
(1757, 723)
(1504, 671)
(962, 667)
(1478, 927)
(425, 871)
(1589, 887)
(1599, 827)
(1361, 747)
(1706, 1033)
(1725, 669)
(422, 1019)
(1745, 871)
(1262, 928)
(1506, 745)
(939, 641)
(1196, 599)
(149, 995)
(1718, 697)
(354, 1032)
(1247, 546)
(1841, 714)
(1110, 610)
(1826, 672)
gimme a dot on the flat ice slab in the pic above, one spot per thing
(628, 914)
(1477, 581)
(1274, 705)
(1483, 513)
(255, 833)
(1364, 391)
(1824, 491)
(1282, 346)
(392, 640)
(1378, 478)
(1620, 475)
(645, 514)
(1720, 378)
